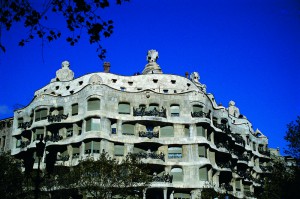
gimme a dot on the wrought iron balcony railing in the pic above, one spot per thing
(223, 145)
(201, 114)
(57, 118)
(154, 112)
(53, 138)
(149, 134)
(266, 153)
(24, 144)
(152, 155)
(239, 139)
(63, 158)
(25, 125)
(164, 178)
(224, 165)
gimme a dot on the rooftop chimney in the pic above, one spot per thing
(186, 74)
(106, 67)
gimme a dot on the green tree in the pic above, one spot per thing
(293, 138)
(79, 15)
(11, 177)
(105, 177)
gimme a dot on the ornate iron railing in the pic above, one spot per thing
(25, 125)
(223, 145)
(53, 138)
(239, 139)
(24, 144)
(201, 114)
(63, 158)
(154, 112)
(224, 164)
(57, 118)
(152, 155)
(164, 178)
(149, 134)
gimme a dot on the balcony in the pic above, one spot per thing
(224, 145)
(266, 168)
(57, 118)
(238, 139)
(154, 112)
(149, 134)
(164, 178)
(24, 144)
(266, 153)
(224, 165)
(201, 114)
(25, 125)
(63, 158)
(152, 155)
(53, 138)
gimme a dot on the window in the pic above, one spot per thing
(128, 129)
(93, 104)
(254, 146)
(92, 147)
(174, 152)
(238, 185)
(173, 81)
(93, 124)
(202, 151)
(182, 196)
(165, 90)
(39, 134)
(167, 131)
(76, 152)
(175, 110)
(177, 174)
(124, 108)
(20, 122)
(203, 174)
(153, 106)
(186, 131)
(75, 109)
(41, 114)
(114, 128)
(200, 131)
(197, 108)
(122, 88)
(119, 150)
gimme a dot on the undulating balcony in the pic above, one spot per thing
(201, 114)
(24, 144)
(142, 111)
(149, 134)
(25, 125)
(266, 153)
(152, 155)
(57, 118)
(238, 139)
(53, 138)
(164, 178)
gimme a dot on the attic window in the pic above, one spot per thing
(165, 90)
(114, 80)
(139, 89)
(130, 83)
(71, 92)
(57, 87)
(122, 88)
(155, 80)
(188, 84)
(173, 81)
(67, 87)
(175, 91)
(80, 83)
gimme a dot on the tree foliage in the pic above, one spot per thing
(282, 182)
(11, 177)
(79, 15)
(293, 138)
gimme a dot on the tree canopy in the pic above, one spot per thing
(293, 138)
(79, 15)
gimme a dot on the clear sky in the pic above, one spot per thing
(247, 51)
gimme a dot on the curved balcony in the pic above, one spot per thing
(164, 178)
(142, 111)
(201, 114)
(152, 155)
(149, 134)
(57, 118)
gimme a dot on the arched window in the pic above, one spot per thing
(124, 108)
(177, 174)
(93, 104)
(197, 108)
(167, 131)
(203, 174)
(175, 110)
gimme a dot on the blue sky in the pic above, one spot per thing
(246, 51)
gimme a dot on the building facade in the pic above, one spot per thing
(190, 142)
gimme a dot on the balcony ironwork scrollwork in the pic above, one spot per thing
(164, 178)
(149, 134)
(24, 144)
(201, 114)
(53, 138)
(63, 158)
(142, 111)
(239, 139)
(25, 125)
(57, 118)
(151, 155)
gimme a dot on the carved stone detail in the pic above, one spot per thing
(152, 67)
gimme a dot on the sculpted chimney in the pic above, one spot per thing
(106, 67)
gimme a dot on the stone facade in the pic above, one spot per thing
(5, 134)
(190, 142)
